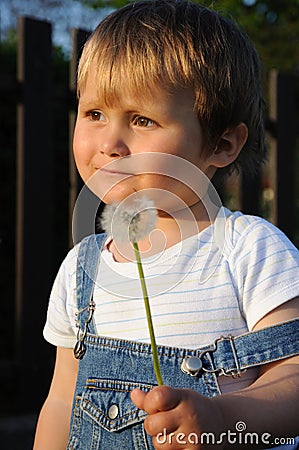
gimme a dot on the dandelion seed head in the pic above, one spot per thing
(131, 220)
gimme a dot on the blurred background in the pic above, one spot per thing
(40, 42)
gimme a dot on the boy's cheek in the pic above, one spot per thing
(83, 157)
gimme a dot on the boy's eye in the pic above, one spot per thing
(95, 115)
(141, 121)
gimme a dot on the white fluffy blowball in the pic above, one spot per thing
(131, 220)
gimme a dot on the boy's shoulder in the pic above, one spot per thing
(91, 244)
(240, 223)
(244, 229)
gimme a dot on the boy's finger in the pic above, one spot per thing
(161, 398)
(137, 397)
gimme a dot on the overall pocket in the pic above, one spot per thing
(108, 419)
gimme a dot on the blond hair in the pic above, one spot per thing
(177, 44)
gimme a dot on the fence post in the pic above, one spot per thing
(33, 231)
(284, 116)
(250, 193)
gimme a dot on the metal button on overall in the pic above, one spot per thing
(191, 365)
(113, 411)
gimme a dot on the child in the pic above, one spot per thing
(167, 90)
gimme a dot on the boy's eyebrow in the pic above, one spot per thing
(88, 102)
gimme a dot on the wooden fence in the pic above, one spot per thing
(41, 183)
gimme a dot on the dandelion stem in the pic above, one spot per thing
(148, 315)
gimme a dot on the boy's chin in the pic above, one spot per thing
(116, 195)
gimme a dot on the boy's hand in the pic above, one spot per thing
(177, 417)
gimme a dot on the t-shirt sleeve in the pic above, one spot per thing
(266, 268)
(59, 329)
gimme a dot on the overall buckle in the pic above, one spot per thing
(192, 365)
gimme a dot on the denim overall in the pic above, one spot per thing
(104, 416)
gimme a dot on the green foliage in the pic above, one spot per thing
(273, 26)
(105, 3)
(8, 52)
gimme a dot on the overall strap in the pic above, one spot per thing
(87, 268)
(233, 355)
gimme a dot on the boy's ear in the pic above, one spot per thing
(229, 146)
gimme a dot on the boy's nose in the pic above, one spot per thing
(119, 151)
(114, 146)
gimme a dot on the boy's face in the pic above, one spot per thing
(124, 142)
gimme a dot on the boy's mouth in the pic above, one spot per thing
(116, 172)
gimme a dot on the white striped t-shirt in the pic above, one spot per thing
(221, 281)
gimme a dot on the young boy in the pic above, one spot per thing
(169, 90)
